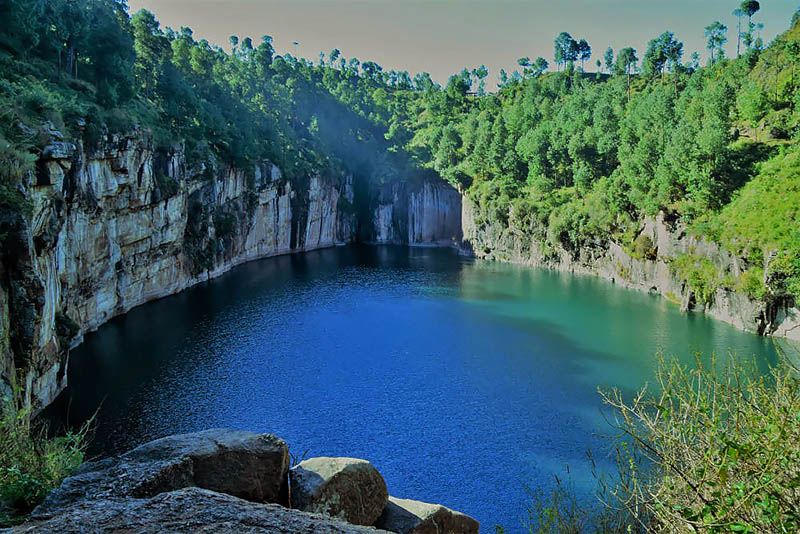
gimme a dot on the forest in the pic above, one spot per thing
(575, 155)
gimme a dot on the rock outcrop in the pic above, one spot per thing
(188, 511)
(347, 488)
(414, 517)
(242, 464)
(652, 272)
(231, 481)
(117, 226)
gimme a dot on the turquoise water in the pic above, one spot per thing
(463, 381)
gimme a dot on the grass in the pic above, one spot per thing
(762, 223)
(31, 462)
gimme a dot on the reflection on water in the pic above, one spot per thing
(461, 381)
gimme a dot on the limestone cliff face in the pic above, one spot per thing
(112, 229)
(422, 213)
(492, 240)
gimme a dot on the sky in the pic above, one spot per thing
(444, 36)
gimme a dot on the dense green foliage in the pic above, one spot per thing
(87, 68)
(579, 159)
(572, 158)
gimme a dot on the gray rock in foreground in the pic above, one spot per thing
(414, 517)
(346, 488)
(208, 482)
(242, 464)
(187, 510)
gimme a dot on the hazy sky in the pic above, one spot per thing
(444, 36)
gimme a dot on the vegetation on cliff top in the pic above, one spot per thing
(573, 157)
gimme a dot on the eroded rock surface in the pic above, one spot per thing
(406, 516)
(188, 510)
(231, 481)
(242, 464)
(346, 488)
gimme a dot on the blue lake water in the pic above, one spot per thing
(463, 381)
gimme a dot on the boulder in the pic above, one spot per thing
(243, 464)
(414, 517)
(346, 488)
(187, 510)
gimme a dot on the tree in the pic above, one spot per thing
(716, 37)
(749, 8)
(565, 49)
(525, 63)
(584, 51)
(608, 58)
(152, 51)
(663, 53)
(738, 13)
(626, 64)
(481, 73)
(540, 66)
(694, 64)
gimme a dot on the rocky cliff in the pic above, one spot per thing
(652, 271)
(112, 228)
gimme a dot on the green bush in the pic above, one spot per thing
(644, 248)
(701, 276)
(711, 449)
(31, 462)
(751, 283)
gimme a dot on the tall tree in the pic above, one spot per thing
(584, 51)
(626, 64)
(716, 36)
(608, 57)
(565, 49)
(750, 8)
(663, 53)
(738, 13)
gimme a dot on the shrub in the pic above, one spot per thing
(167, 186)
(751, 283)
(31, 463)
(713, 448)
(643, 248)
(701, 276)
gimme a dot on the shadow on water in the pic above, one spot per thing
(461, 381)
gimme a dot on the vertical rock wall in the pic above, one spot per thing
(424, 213)
(113, 229)
(125, 224)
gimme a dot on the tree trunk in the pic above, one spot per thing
(71, 60)
(629, 85)
(738, 35)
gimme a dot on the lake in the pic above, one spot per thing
(464, 382)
